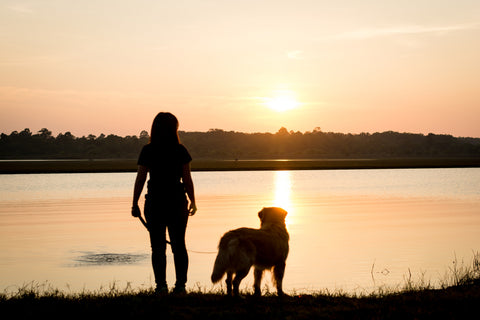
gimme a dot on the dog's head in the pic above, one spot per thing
(273, 215)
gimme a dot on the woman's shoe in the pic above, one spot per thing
(162, 290)
(179, 290)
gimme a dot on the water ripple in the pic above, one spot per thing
(109, 258)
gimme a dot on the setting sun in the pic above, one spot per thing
(282, 101)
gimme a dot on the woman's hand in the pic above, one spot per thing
(136, 211)
(192, 208)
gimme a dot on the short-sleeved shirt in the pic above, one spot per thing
(165, 164)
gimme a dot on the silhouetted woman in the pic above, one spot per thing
(166, 203)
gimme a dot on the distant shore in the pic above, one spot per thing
(122, 165)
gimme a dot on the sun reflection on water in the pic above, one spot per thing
(283, 191)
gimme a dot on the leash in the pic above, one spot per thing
(143, 222)
(200, 252)
(146, 227)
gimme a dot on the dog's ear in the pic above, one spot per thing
(261, 214)
(281, 212)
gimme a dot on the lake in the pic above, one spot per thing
(350, 230)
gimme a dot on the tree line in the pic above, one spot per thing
(220, 144)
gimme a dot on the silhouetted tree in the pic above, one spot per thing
(221, 144)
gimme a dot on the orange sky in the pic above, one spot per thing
(109, 66)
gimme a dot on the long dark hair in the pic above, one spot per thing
(164, 129)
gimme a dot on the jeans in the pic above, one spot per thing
(162, 214)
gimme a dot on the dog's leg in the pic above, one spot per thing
(258, 273)
(278, 273)
(239, 275)
(229, 283)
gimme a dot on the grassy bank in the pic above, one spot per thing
(458, 302)
(119, 165)
(457, 298)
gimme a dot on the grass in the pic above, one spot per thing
(457, 297)
(119, 165)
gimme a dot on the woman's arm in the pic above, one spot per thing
(138, 188)
(188, 183)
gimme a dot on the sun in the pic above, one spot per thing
(282, 101)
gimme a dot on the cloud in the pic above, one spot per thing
(369, 33)
(22, 8)
(295, 55)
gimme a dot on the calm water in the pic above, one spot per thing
(351, 230)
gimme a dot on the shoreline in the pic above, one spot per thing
(456, 302)
(130, 165)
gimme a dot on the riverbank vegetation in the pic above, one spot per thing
(460, 302)
(456, 298)
(218, 144)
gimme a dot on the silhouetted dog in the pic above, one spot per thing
(264, 248)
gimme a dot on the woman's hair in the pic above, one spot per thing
(164, 129)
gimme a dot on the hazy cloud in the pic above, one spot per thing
(22, 8)
(295, 54)
(368, 33)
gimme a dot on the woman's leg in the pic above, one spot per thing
(176, 231)
(157, 229)
(159, 258)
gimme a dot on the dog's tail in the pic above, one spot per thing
(226, 250)
(221, 262)
(219, 268)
